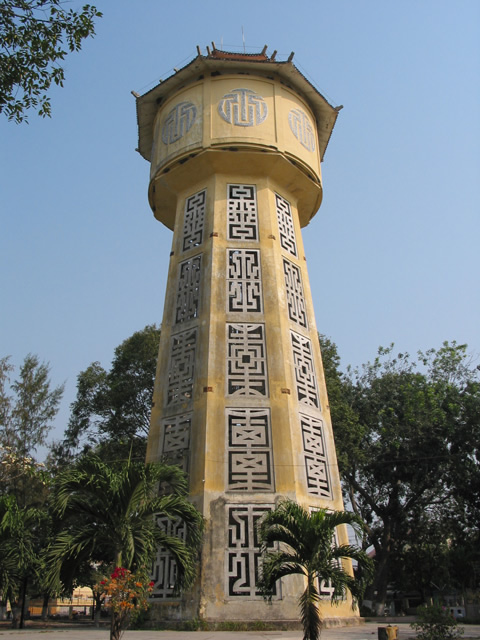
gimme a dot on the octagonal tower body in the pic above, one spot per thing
(235, 143)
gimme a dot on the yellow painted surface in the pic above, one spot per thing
(192, 138)
(212, 154)
(221, 131)
(210, 129)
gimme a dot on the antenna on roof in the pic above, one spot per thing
(243, 39)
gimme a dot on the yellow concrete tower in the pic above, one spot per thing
(235, 143)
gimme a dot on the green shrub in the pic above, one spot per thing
(435, 622)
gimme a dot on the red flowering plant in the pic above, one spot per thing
(126, 596)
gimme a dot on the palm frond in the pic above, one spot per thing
(109, 512)
(305, 544)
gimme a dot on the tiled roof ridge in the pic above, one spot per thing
(230, 55)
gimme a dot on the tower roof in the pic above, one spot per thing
(218, 62)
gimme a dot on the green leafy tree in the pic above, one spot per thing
(35, 37)
(307, 547)
(5, 399)
(20, 549)
(24, 493)
(28, 406)
(434, 622)
(111, 412)
(422, 562)
(404, 430)
(108, 514)
(9, 574)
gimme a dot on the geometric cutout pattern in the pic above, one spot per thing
(295, 298)
(175, 444)
(316, 461)
(178, 122)
(242, 212)
(306, 382)
(194, 220)
(246, 360)
(285, 225)
(188, 290)
(244, 282)
(182, 367)
(243, 108)
(164, 567)
(243, 554)
(302, 128)
(249, 450)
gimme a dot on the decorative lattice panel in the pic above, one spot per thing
(249, 450)
(302, 128)
(244, 282)
(316, 460)
(242, 223)
(246, 360)
(295, 298)
(175, 443)
(304, 368)
(188, 290)
(243, 108)
(286, 227)
(194, 220)
(181, 367)
(178, 122)
(164, 568)
(243, 549)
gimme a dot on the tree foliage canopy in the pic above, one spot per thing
(35, 37)
(28, 405)
(114, 406)
(407, 434)
(20, 552)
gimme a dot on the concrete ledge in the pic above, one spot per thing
(224, 625)
(246, 625)
(352, 621)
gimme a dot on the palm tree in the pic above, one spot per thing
(305, 544)
(108, 515)
(20, 547)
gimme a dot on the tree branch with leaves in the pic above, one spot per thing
(35, 37)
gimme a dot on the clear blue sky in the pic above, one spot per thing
(83, 262)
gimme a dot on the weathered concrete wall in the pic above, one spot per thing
(240, 398)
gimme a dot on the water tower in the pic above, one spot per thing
(235, 143)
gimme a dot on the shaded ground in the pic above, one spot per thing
(37, 630)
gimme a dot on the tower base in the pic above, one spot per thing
(180, 616)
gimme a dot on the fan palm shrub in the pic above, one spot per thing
(109, 517)
(304, 543)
